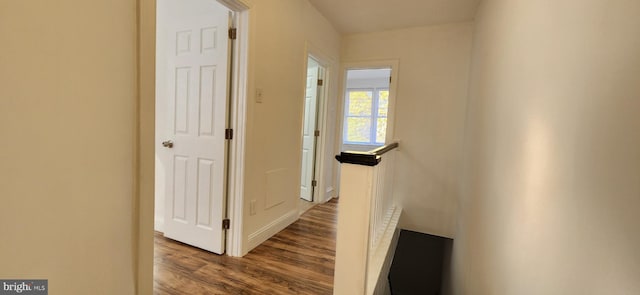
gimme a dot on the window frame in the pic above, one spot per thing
(375, 104)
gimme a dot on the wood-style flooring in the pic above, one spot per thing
(298, 260)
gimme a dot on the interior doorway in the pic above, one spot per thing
(314, 93)
(366, 108)
(368, 105)
(192, 78)
(201, 82)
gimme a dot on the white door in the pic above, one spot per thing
(196, 121)
(308, 130)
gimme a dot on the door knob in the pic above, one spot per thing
(167, 144)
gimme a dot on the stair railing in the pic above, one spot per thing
(367, 221)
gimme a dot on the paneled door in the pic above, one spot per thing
(309, 128)
(196, 118)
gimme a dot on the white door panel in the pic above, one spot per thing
(196, 122)
(308, 131)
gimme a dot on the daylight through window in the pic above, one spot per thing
(366, 115)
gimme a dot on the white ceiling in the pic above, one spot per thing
(359, 16)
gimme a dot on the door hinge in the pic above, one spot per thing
(233, 33)
(226, 223)
(314, 183)
(389, 79)
(228, 133)
(316, 133)
(320, 82)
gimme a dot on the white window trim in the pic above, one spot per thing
(374, 116)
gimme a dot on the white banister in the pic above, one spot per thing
(367, 222)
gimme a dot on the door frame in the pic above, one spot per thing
(216, 149)
(234, 157)
(394, 64)
(320, 193)
(238, 107)
(305, 116)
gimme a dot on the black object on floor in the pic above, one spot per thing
(420, 265)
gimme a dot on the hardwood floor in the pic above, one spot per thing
(298, 260)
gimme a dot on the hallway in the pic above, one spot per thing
(298, 260)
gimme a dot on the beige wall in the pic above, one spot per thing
(552, 185)
(67, 121)
(430, 110)
(279, 31)
(146, 144)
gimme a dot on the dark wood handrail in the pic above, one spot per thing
(370, 158)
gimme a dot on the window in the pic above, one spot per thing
(365, 120)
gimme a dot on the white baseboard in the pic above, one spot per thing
(330, 190)
(328, 195)
(158, 224)
(271, 229)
